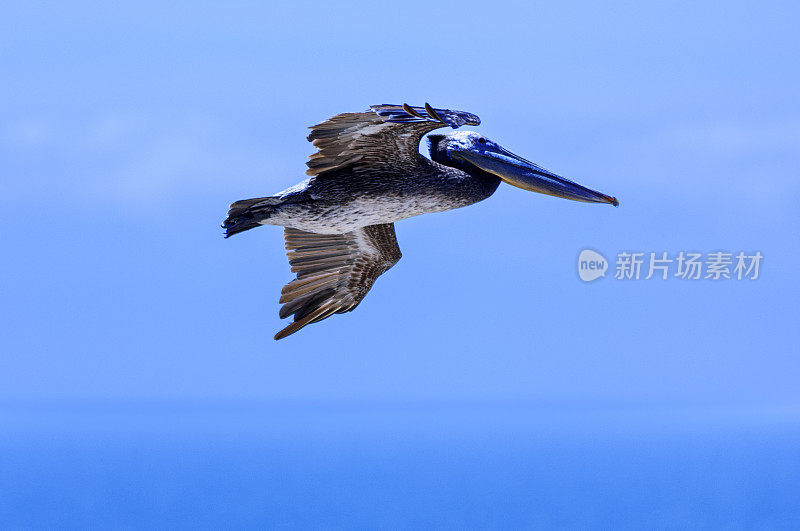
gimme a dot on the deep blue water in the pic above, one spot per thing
(397, 466)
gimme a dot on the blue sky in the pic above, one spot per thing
(127, 129)
(481, 383)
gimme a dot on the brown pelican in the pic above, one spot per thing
(367, 174)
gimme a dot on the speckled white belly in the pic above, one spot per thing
(357, 213)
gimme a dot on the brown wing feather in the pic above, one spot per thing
(334, 271)
(383, 136)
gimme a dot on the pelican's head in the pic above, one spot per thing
(467, 150)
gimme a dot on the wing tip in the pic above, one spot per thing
(405, 113)
(284, 333)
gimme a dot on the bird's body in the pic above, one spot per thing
(368, 174)
(345, 200)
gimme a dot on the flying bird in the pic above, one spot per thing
(367, 174)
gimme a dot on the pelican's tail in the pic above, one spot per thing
(249, 213)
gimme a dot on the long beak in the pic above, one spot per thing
(525, 174)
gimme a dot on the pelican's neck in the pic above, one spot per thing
(487, 182)
(490, 181)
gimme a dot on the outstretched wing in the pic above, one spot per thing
(334, 271)
(383, 136)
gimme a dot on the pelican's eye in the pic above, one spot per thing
(481, 140)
